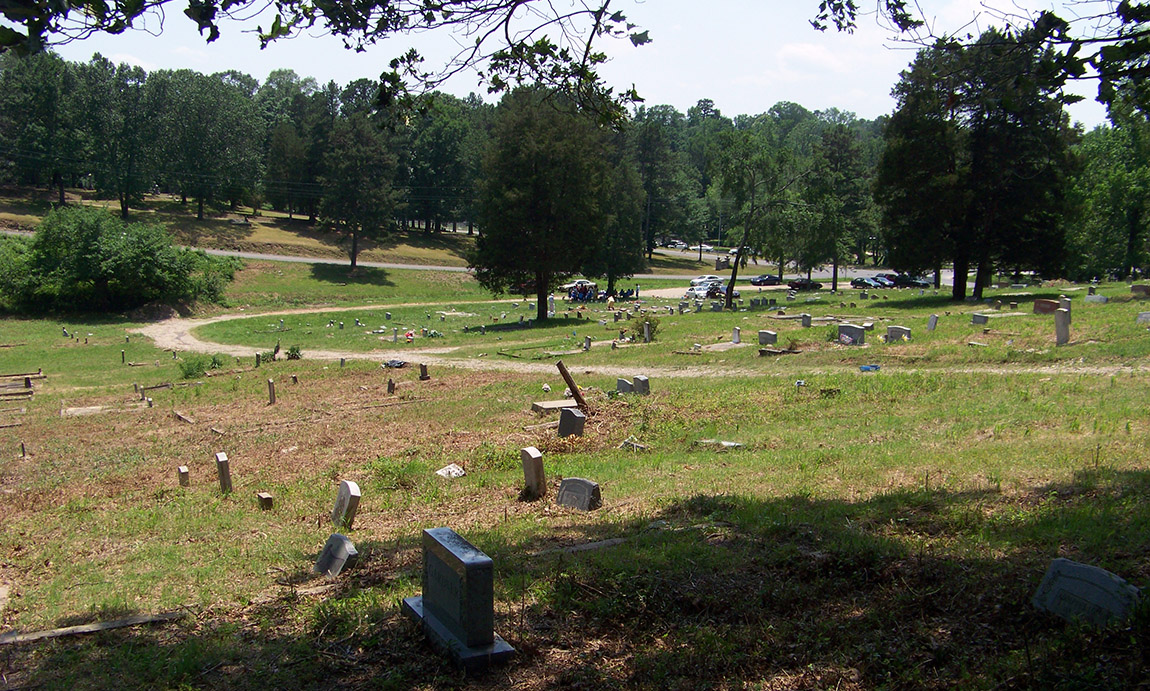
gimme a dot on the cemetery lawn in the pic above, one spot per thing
(875, 530)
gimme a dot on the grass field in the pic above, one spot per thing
(875, 530)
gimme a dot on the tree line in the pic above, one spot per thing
(978, 168)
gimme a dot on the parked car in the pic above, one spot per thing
(865, 283)
(804, 284)
(700, 280)
(766, 280)
(696, 292)
(883, 281)
(706, 248)
(675, 245)
(908, 281)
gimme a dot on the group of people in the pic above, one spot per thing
(589, 293)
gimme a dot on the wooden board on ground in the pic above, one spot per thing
(550, 406)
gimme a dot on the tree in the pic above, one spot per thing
(357, 196)
(439, 181)
(838, 192)
(120, 129)
(543, 196)
(758, 175)
(620, 253)
(975, 163)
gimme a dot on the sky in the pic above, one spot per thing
(745, 55)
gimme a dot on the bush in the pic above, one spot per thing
(86, 259)
(294, 353)
(635, 326)
(194, 366)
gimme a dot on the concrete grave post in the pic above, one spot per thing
(185, 476)
(578, 493)
(571, 421)
(586, 343)
(346, 504)
(932, 323)
(1064, 303)
(533, 477)
(390, 387)
(457, 606)
(271, 392)
(736, 335)
(646, 332)
(224, 471)
(395, 334)
(338, 553)
(265, 500)
(1061, 327)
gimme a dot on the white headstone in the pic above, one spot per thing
(533, 477)
(346, 504)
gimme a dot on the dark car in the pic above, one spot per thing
(862, 282)
(804, 284)
(766, 280)
(883, 282)
(905, 281)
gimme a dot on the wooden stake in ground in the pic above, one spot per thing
(571, 385)
(224, 471)
(271, 392)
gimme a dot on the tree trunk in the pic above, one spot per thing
(835, 272)
(124, 206)
(199, 208)
(541, 294)
(1133, 231)
(354, 252)
(961, 266)
(981, 277)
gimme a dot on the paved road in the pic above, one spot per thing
(745, 274)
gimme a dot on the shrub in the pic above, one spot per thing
(635, 326)
(86, 259)
(294, 353)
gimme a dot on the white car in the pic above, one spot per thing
(703, 280)
(706, 248)
(697, 293)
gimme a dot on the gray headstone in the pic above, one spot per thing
(533, 477)
(1086, 593)
(977, 318)
(863, 295)
(1061, 327)
(806, 320)
(932, 323)
(571, 421)
(736, 335)
(1142, 318)
(897, 333)
(577, 493)
(1096, 299)
(768, 338)
(623, 386)
(457, 607)
(1064, 303)
(346, 504)
(641, 385)
(185, 476)
(852, 334)
(646, 332)
(1091, 290)
(586, 343)
(338, 554)
(716, 307)
(1140, 290)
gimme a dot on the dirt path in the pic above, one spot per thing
(176, 334)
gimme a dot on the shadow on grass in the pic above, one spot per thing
(341, 274)
(909, 589)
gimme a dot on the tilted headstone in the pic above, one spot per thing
(346, 504)
(897, 333)
(1061, 327)
(533, 477)
(641, 385)
(852, 334)
(578, 493)
(1096, 299)
(1045, 306)
(932, 323)
(224, 471)
(457, 607)
(1085, 593)
(571, 421)
(768, 338)
(338, 553)
(978, 318)
(623, 386)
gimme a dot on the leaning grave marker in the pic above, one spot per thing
(1076, 591)
(457, 606)
(579, 493)
(346, 504)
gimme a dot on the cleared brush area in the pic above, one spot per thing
(875, 530)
